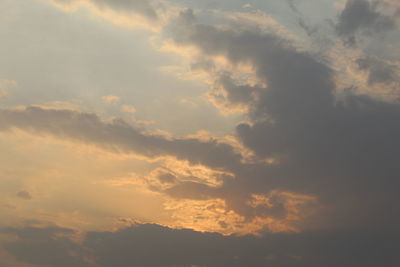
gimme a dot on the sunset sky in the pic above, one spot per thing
(200, 133)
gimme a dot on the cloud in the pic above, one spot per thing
(117, 135)
(110, 99)
(140, 6)
(128, 108)
(230, 97)
(143, 7)
(379, 70)
(24, 195)
(44, 246)
(315, 159)
(149, 245)
(306, 139)
(339, 147)
(335, 148)
(5, 86)
(363, 16)
(220, 159)
(144, 14)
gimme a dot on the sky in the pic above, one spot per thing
(214, 133)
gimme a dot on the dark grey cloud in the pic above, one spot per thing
(209, 249)
(117, 135)
(166, 178)
(342, 150)
(379, 70)
(155, 246)
(45, 246)
(24, 195)
(363, 16)
(227, 91)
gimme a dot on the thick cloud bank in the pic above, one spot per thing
(156, 246)
(339, 146)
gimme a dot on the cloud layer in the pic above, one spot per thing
(143, 7)
(363, 16)
(156, 246)
(311, 171)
